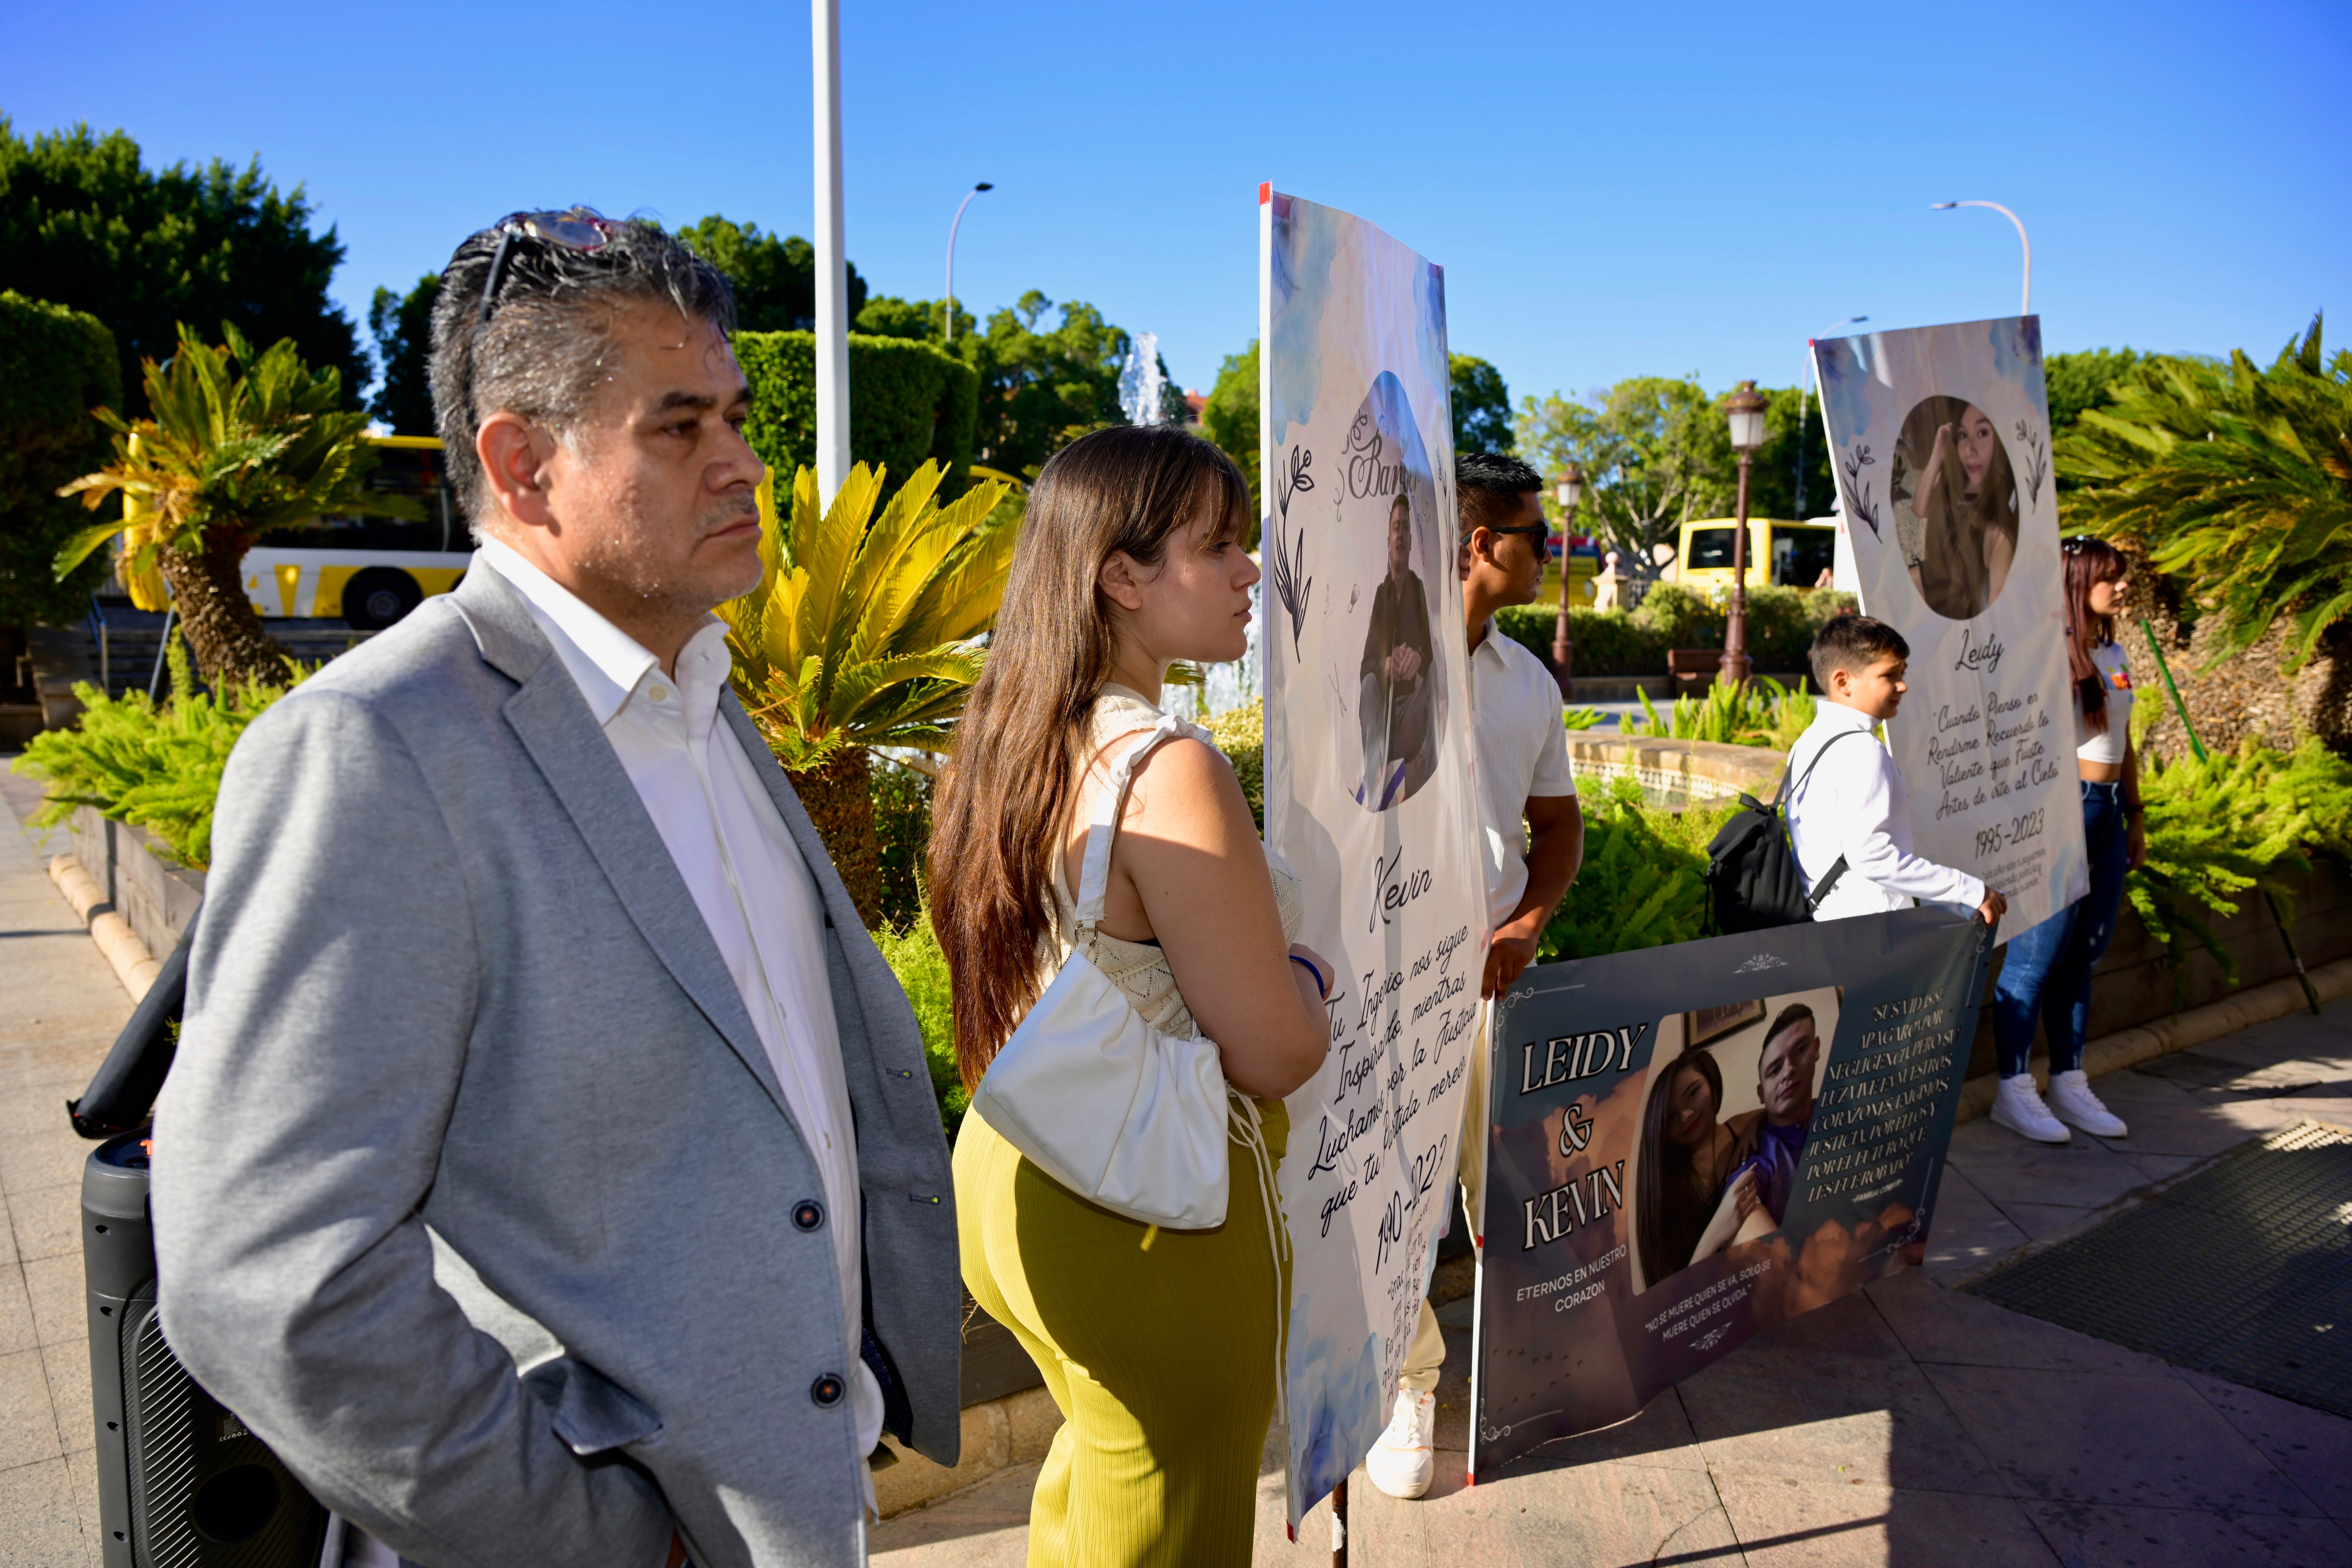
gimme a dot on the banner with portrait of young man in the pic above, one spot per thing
(1370, 796)
(1940, 436)
(1688, 1144)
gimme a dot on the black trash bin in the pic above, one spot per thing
(180, 1482)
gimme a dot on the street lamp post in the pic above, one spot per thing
(952, 227)
(1804, 390)
(1570, 489)
(1745, 409)
(2025, 296)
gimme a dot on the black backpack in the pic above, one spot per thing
(1753, 868)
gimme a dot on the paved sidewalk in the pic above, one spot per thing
(1909, 1425)
(61, 1007)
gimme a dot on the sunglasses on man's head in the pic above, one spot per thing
(576, 229)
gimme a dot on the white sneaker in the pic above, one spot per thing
(2018, 1107)
(2071, 1100)
(1402, 1463)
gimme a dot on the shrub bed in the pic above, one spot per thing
(1781, 626)
(908, 401)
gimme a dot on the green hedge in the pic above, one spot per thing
(908, 401)
(56, 365)
(1781, 626)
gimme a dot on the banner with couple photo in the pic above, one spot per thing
(1941, 441)
(1368, 782)
(1688, 1144)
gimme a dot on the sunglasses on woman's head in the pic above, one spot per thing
(576, 229)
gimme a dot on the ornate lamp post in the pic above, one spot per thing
(1570, 489)
(1745, 408)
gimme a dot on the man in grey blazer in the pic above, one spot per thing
(549, 1171)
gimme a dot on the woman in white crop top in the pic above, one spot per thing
(2047, 971)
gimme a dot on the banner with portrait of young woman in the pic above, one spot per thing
(1940, 436)
(1688, 1144)
(1369, 795)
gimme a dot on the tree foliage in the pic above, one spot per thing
(1654, 452)
(83, 222)
(57, 365)
(402, 325)
(239, 444)
(2235, 481)
(1229, 418)
(774, 276)
(2079, 381)
(887, 316)
(1482, 407)
(1041, 390)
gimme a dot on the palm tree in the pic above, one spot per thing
(865, 632)
(2234, 480)
(239, 444)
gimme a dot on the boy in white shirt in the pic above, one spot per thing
(1851, 810)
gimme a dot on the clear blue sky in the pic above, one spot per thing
(1644, 188)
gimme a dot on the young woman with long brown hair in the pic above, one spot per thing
(1966, 503)
(1159, 1346)
(2048, 969)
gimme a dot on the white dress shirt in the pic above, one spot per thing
(1855, 805)
(747, 878)
(1515, 709)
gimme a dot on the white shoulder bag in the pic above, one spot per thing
(1121, 1113)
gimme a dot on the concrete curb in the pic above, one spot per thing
(997, 1433)
(2125, 1048)
(133, 963)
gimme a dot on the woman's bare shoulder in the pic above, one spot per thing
(1186, 779)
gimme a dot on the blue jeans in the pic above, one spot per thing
(2048, 969)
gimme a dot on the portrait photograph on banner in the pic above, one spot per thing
(1689, 1144)
(1370, 781)
(1940, 441)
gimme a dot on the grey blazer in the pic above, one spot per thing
(448, 978)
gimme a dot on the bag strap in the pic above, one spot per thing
(1094, 873)
(1787, 795)
(1829, 877)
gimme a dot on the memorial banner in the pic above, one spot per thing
(1940, 436)
(1689, 1143)
(1370, 795)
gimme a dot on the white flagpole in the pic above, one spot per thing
(832, 267)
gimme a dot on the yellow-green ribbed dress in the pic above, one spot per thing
(1159, 1346)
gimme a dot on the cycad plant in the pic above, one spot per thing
(1757, 711)
(2235, 481)
(157, 767)
(864, 632)
(239, 444)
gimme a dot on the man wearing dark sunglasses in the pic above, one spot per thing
(1524, 787)
(549, 1171)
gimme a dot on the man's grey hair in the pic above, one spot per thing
(540, 352)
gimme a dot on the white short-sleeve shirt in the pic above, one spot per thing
(1522, 754)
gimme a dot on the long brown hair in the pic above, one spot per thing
(1004, 800)
(1667, 1225)
(2090, 561)
(1994, 503)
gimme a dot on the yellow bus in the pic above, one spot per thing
(371, 571)
(1791, 554)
